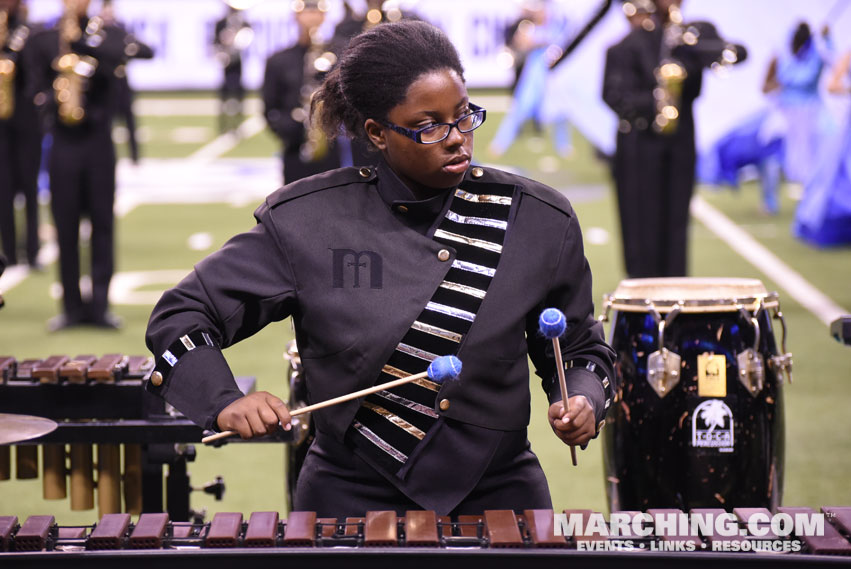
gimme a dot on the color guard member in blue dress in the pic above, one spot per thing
(823, 217)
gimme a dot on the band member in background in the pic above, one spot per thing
(383, 268)
(793, 77)
(377, 12)
(291, 77)
(233, 35)
(356, 152)
(651, 80)
(124, 92)
(74, 72)
(20, 133)
(535, 43)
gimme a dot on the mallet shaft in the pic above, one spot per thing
(563, 385)
(333, 401)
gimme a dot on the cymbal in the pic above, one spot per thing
(15, 428)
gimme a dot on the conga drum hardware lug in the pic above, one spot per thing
(663, 365)
(751, 371)
(750, 361)
(663, 371)
(607, 308)
(782, 362)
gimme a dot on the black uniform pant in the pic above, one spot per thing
(82, 183)
(231, 94)
(654, 176)
(20, 155)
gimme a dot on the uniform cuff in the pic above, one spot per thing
(199, 385)
(581, 381)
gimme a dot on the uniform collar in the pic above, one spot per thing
(399, 197)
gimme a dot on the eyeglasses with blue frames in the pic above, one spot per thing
(435, 133)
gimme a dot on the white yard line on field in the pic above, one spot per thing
(740, 241)
(225, 142)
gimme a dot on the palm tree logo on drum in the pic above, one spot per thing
(714, 413)
(712, 425)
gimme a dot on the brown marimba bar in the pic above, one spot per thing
(55, 467)
(494, 529)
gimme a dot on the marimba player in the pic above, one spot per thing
(383, 268)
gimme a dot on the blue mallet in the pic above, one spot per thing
(441, 369)
(552, 324)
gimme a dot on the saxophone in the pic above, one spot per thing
(7, 72)
(318, 60)
(670, 75)
(74, 69)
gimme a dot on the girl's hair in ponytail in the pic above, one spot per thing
(375, 72)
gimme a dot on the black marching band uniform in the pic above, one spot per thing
(81, 163)
(290, 78)
(292, 75)
(377, 284)
(20, 136)
(231, 37)
(654, 165)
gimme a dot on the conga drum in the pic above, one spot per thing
(303, 431)
(697, 419)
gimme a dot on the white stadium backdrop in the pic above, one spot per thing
(181, 33)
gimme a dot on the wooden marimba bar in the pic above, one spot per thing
(95, 400)
(418, 539)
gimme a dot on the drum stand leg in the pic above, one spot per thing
(177, 489)
(177, 481)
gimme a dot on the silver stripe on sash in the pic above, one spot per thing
(482, 198)
(464, 289)
(437, 331)
(412, 405)
(473, 268)
(450, 311)
(483, 221)
(480, 243)
(416, 352)
(396, 372)
(379, 442)
(396, 420)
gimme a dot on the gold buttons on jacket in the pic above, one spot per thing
(600, 425)
(477, 172)
(157, 379)
(444, 404)
(443, 255)
(365, 172)
(402, 209)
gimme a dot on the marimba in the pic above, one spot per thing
(100, 401)
(497, 538)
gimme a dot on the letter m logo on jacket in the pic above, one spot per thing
(350, 261)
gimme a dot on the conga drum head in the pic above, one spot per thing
(691, 294)
(697, 420)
